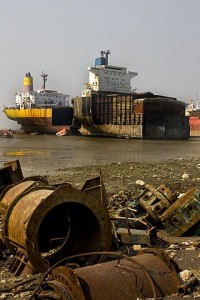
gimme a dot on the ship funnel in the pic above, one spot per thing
(102, 60)
(28, 83)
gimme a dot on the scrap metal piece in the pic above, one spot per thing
(11, 192)
(182, 214)
(47, 223)
(10, 174)
(142, 276)
(65, 283)
(156, 201)
(136, 236)
(95, 187)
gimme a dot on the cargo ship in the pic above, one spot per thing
(109, 107)
(42, 111)
(193, 111)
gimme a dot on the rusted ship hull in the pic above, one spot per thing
(144, 116)
(42, 120)
(194, 122)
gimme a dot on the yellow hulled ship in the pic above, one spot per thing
(43, 111)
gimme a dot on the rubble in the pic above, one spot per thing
(43, 225)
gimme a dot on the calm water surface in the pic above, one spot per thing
(43, 154)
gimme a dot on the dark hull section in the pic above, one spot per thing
(62, 116)
(144, 116)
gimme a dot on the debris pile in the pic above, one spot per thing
(71, 237)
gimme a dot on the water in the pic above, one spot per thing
(44, 154)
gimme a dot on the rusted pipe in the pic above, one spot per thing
(149, 274)
(183, 288)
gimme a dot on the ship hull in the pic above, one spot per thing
(130, 117)
(194, 122)
(42, 120)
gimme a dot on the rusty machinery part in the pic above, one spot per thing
(62, 283)
(182, 214)
(49, 223)
(13, 192)
(142, 276)
(156, 201)
(17, 174)
(96, 188)
(10, 174)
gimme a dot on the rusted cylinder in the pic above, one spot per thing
(13, 191)
(49, 223)
(150, 274)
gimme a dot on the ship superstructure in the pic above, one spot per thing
(41, 98)
(42, 111)
(109, 107)
(106, 78)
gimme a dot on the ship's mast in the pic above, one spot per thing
(44, 76)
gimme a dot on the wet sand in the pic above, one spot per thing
(45, 154)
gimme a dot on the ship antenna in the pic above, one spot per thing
(44, 76)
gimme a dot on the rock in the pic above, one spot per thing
(172, 254)
(186, 275)
(174, 246)
(140, 182)
(190, 248)
(196, 296)
(185, 176)
(137, 247)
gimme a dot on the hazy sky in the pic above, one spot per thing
(159, 39)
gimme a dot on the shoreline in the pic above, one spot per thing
(179, 175)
